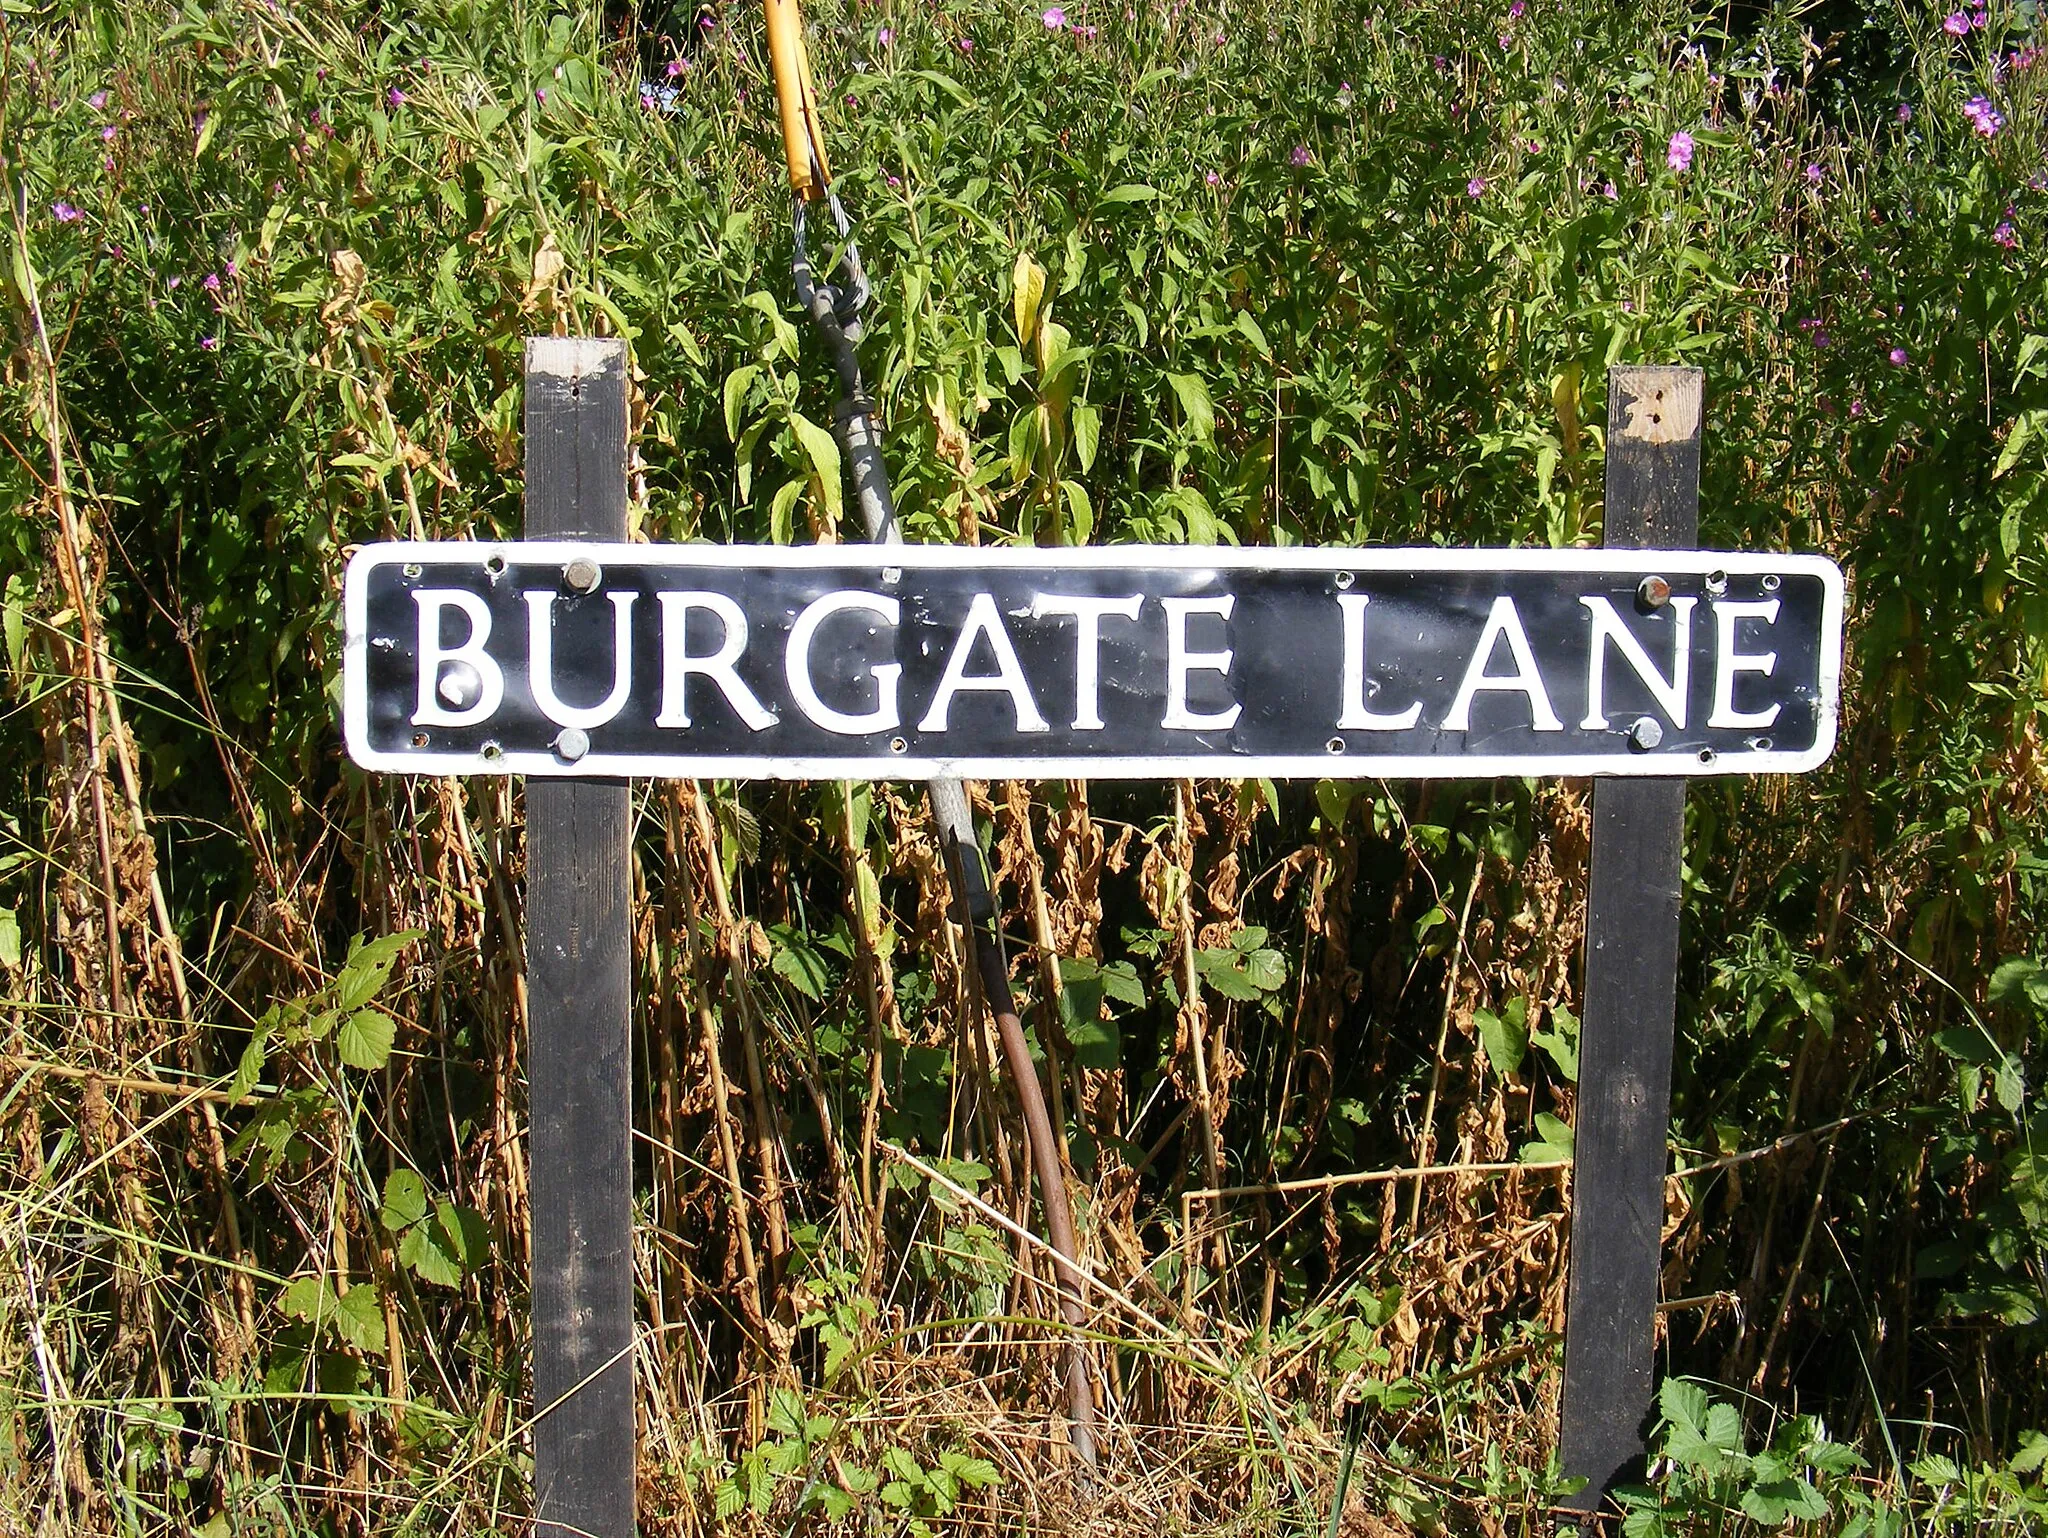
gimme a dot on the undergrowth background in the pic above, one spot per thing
(1256, 273)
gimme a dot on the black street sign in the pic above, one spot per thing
(906, 662)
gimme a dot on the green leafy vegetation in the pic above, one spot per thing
(1304, 274)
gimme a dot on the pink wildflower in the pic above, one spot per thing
(676, 67)
(1299, 156)
(964, 44)
(1054, 17)
(1678, 153)
(1899, 357)
(107, 134)
(394, 98)
(211, 282)
(1476, 187)
(1984, 117)
(1213, 179)
(65, 213)
(97, 101)
(886, 36)
(2005, 235)
(1956, 25)
(1815, 175)
(1515, 11)
(209, 344)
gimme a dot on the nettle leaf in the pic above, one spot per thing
(405, 1200)
(365, 1039)
(359, 1319)
(368, 968)
(422, 1250)
(792, 959)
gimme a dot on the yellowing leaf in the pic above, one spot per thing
(1027, 281)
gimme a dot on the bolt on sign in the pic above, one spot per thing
(905, 662)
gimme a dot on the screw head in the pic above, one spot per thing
(1653, 592)
(461, 685)
(1345, 579)
(571, 743)
(1645, 734)
(582, 574)
(1717, 583)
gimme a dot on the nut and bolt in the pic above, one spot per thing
(1653, 592)
(571, 743)
(583, 574)
(1646, 734)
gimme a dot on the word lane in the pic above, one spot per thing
(906, 662)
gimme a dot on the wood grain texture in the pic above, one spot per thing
(579, 1007)
(1631, 985)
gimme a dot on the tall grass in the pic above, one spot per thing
(1314, 274)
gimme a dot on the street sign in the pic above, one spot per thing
(907, 662)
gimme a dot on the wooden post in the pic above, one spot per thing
(579, 1006)
(1624, 1105)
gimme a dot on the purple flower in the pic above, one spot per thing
(2005, 234)
(211, 282)
(964, 44)
(705, 23)
(65, 213)
(893, 179)
(1607, 191)
(1506, 42)
(209, 344)
(646, 96)
(1905, 113)
(540, 93)
(1856, 407)
(1815, 175)
(852, 100)
(232, 270)
(1213, 179)
(1515, 11)
(97, 101)
(1984, 117)
(1980, 18)
(1678, 153)
(394, 98)
(1221, 37)
(1476, 188)
(1899, 357)
(1299, 156)
(1957, 25)
(886, 36)
(676, 67)
(1054, 17)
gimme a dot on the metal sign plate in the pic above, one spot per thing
(903, 662)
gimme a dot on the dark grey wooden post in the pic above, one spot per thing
(578, 1006)
(1624, 1106)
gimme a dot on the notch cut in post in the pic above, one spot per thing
(579, 1006)
(1631, 987)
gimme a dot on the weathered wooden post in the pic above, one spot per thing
(579, 1002)
(1631, 985)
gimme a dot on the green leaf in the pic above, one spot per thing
(1131, 192)
(1505, 1042)
(423, 1250)
(822, 450)
(1683, 1404)
(10, 939)
(1562, 1043)
(1195, 404)
(1553, 1142)
(1080, 511)
(309, 1298)
(737, 383)
(2015, 979)
(365, 1038)
(359, 1319)
(792, 959)
(1087, 423)
(405, 1200)
(368, 968)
